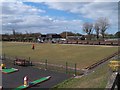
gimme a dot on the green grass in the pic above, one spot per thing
(59, 54)
(97, 79)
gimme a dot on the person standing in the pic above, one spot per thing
(33, 46)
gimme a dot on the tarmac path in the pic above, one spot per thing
(15, 79)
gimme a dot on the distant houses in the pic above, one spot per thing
(49, 37)
(37, 37)
(76, 37)
(53, 37)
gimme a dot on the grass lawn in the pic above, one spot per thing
(97, 79)
(59, 54)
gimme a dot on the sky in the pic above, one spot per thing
(56, 16)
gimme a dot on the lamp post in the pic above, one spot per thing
(66, 32)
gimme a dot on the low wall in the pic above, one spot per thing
(114, 82)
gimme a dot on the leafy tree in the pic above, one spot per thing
(117, 34)
(63, 34)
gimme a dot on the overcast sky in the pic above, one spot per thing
(55, 17)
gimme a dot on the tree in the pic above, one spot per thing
(109, 36)
(87, 28)
(63, 34)
(103, 25)
(97, 29)
(117, 34)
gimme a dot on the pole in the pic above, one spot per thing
(75, 69)
(66, 67)
(46, 64)
(30, 62)
(66, 33)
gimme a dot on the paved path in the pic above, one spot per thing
(16, 79)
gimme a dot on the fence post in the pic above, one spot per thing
(66, 67)
(30, 62)
(75, 69)
(46, 64)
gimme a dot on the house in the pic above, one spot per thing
(75, 37)
(49, 38)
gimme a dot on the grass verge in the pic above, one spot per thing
(97, 79)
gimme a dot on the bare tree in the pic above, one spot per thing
(103, 25)
(87, 28)
(97, 29)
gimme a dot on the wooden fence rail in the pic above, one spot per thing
(101, 61)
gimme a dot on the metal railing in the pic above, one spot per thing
(68, 68)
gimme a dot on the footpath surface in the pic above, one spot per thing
(15, 79)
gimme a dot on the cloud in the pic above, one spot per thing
(22, 17)
(66, 6)
(95, 10)
(43, 24)
(61, 0)
(19, 8)
(106, 0)
(90, 10)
